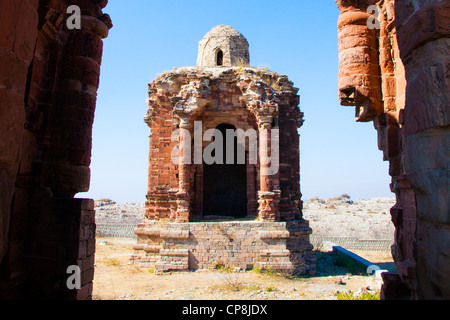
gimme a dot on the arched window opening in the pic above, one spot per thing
(220, 58)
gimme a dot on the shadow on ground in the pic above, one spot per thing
(331, 263)
(389, 266)
(337, 264)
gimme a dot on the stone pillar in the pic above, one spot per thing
(18, 35)
(184, 171)
(423, 36)
(67, 141)
(55, 72)
(269, 194)
(358, 55)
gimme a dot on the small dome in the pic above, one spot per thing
(223, 31)
(223, 46)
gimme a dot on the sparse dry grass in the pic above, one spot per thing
(361, 296)
(115, 279)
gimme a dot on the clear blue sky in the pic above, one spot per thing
(296, 38)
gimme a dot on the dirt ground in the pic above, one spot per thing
(115, 279)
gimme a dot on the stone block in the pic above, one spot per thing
(274, 234)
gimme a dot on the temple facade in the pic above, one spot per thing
(224, 154)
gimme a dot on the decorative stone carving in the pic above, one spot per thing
(268, 205)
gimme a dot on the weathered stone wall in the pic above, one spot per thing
(244, 245)
(423, 38)
(17, 42)
(396, 75)
(48, 83)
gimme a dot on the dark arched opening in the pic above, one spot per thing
(225, 185)
(220, 58)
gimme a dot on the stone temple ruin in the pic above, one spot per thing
(395, 75)
(244, 213)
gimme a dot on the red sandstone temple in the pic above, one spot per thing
(261, 190)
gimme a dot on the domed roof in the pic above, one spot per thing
(223, 46)
(223, 31)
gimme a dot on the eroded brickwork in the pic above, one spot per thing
(48, 83)
(242, 97)
(243, 245)
(396, 75)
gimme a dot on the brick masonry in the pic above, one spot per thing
(49, 77)
(282, 246)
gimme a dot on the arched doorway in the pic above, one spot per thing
(225, 185)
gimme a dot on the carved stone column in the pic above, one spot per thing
(359, 55)
(184, 171)
(269, 194)
(67, 139)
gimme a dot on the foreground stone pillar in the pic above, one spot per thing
(423, 36)
(68, 139)
(48, 131)
(18, 33)
(359, 72)
(411, 44)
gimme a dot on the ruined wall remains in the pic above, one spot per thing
(48, 83)
(394, 70)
